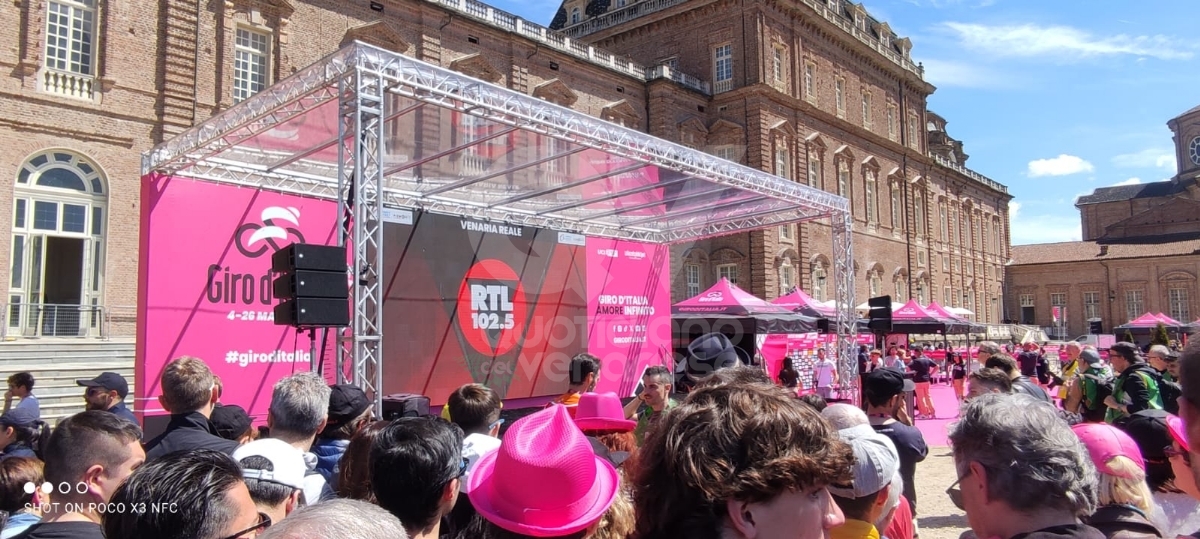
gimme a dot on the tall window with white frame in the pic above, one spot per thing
(946, 295)
(728, 271)
(871, 201)
(787, 277)
(57, 263)
(875, 284)
(1027, 309)
(574, 15)
(901, 289)
(921, 293)
(839, 94)
(251, 63)
(919, 214)
(1058, 310)
(70, 48)
(1091, 306)
(944, 223)
(819, 282)
(810, 81)
(779, 64)
(914, 128)
(783, 159)
(891, 121)
(692, 278)
(1135, 302)
(896, 217)
(866, 109)
(1178, 301)
(814, 168)
(843, 168)
(723, 68)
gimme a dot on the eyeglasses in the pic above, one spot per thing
(955, 492)
(462, 468)
(1171, 452)
(264, 522)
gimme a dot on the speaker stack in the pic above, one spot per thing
(313, 285)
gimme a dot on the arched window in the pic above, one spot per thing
(819, 282)
(57, 258)
(574, 15)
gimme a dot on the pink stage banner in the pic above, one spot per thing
(629, 306)
(205, 276)
(628, 176)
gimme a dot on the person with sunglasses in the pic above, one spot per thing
(416, 467)
(1022, 472)
(195, 494)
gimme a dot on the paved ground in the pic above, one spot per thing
(939, 519)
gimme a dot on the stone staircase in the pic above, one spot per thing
(57, 363)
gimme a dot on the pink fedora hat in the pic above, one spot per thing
(602, 411)
(545, 480)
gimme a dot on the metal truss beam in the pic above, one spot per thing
(568, 185)
(619, 194)
(472, 181)
(842, 226)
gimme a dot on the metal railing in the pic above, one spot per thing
(986, 181)
(52, 320)
(558, 41)
(667, 72)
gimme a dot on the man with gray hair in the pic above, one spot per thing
(299, 411)
(1021, 471)
(988, 349)
(338, 519)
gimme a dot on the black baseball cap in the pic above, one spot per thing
(231, 421)
(346, 402)
(19, 417)
(887, 382)
(110, 381)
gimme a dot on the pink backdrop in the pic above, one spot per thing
(629, 306)
(205, 288)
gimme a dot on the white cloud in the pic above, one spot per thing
(1148, 158)
(963, 75)
(1014, 209)
(1064, 42)
(1063, 165)
(1130, 181)
(1042, 228)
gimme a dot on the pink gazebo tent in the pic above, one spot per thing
(1145, 321)
(1168, 321)
(913, 318)
(726, 298)
(799, 302)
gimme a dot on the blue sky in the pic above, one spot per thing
(1051, 98)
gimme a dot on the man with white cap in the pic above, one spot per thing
(274, 472)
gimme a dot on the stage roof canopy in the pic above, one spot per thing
(457, 145)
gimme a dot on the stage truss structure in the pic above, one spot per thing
(376, 130)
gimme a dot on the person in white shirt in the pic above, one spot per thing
(825, 374)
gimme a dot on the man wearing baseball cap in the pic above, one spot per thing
(885, 391)
(1084, 394)
(274, 473)
(349, 410)
(865, 501)
(108, 392)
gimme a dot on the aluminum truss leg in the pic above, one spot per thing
(363, 102)
(843, 293)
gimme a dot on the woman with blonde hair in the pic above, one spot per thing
(1124, 503)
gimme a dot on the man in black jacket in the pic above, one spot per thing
(1020, 383)
(189, 393)
(1135, 388)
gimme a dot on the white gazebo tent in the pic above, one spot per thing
(375, 130)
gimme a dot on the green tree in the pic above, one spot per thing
(1160, 335)
(1128, 336)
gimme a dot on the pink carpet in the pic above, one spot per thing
(946, 405)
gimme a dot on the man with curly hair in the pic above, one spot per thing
(739, 460)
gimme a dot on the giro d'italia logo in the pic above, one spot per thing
(254, 240)
(491, 308)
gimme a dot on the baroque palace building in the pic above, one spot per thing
(1140, 252)
(813, 90)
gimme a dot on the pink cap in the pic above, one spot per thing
(1104, 442)
(602, 411)
(1178, 431)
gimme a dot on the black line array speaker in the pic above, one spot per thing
(313, 285)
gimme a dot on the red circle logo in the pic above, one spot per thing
(491, 308)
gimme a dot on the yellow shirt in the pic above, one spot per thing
(854, 529)
(1067, 373)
